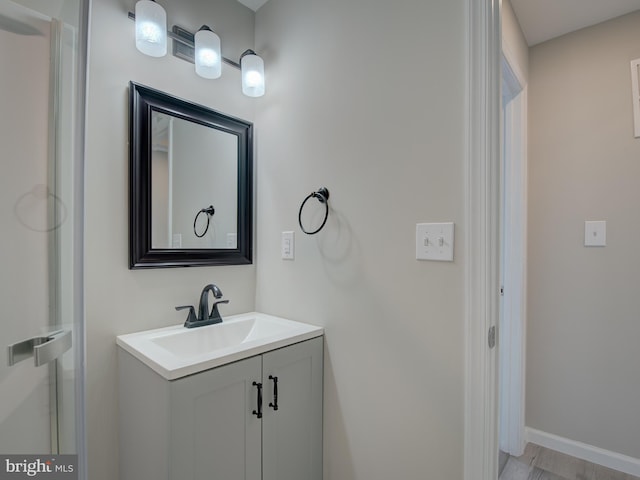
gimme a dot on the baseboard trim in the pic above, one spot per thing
(592, 454)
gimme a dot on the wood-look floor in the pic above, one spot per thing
(539, 463)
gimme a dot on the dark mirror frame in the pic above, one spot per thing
(142, 102)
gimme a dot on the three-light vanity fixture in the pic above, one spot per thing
(201, 48)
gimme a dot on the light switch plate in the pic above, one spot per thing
(434, 241)
(287, 246)
(595, 233)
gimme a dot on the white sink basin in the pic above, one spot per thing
(176, 351)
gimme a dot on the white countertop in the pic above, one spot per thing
(176, 351)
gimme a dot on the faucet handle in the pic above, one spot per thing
(215, 314)
(192, 313)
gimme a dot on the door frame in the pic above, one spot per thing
(482, 251)
(512, 347)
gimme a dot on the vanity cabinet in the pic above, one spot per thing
(259, 418)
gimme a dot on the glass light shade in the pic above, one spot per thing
(207, 55)
(151, 28)
(252, 67)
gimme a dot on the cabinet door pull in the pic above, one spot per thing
(274, 404)
(258, 413)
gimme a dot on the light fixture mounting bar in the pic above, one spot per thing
(184, 46)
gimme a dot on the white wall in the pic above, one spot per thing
(514, 45)
(583, 303)
(160, 236)
(367, 99)
(65, 10)
(119, 300)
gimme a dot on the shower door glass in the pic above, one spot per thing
(40, 246)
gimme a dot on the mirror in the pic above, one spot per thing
(190, 183)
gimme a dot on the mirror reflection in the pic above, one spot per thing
(193, 168)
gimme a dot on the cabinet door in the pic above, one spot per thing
(215, 436)
(292, 434)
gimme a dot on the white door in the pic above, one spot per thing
(38, 290)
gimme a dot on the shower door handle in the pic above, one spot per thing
(43, 349)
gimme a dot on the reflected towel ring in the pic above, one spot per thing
(209, 211)
(41, 192)
(323, 197)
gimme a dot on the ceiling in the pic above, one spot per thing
(543, 20)
(253, 4)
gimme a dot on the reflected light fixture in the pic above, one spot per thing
(252, 68)
(203, 48)
(151, 28)
(207, 55)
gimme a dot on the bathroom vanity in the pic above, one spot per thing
(237, 403)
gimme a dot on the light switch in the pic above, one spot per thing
(288, 245)
(434, 241)
(595, 233)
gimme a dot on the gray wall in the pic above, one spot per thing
(583, 303)
(367, 99)
(119, 300)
